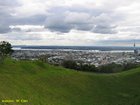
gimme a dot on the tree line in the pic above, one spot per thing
(108, 68)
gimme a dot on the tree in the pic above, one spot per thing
(5, 50)
(70, 64)
(87, 67)
(110, 68)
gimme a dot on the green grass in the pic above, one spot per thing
(43, 84)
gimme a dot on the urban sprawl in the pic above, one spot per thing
(91, 57)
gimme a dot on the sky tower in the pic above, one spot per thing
(135, 50)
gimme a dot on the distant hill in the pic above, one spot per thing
(43, 84)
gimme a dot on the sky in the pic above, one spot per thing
(70, 22)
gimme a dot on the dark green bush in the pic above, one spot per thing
(109, 68)
(70, 64)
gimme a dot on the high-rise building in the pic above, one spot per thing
(135, 49)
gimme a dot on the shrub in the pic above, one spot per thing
(110, 68)
(70, 64)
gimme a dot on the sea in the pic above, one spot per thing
(78, 48)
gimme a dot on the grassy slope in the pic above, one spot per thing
(43, 84)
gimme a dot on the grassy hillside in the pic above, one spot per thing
(43, 84)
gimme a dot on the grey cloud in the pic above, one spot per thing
(16, 29)
(135, 29)
(104, 29)
(8, 3)
(57, 23)
(32, 20)
(6, 8)
(84, 27)
(18, 37)
(65, 19)
(62, 19)
(22, 36)
(4, 29)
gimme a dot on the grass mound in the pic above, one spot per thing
(43, 84)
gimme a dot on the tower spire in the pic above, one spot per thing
(134, 44)
(135, 50)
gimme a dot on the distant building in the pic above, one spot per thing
(136, 52)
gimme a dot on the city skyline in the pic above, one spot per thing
(70, 22)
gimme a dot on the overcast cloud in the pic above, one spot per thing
(70, 22)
